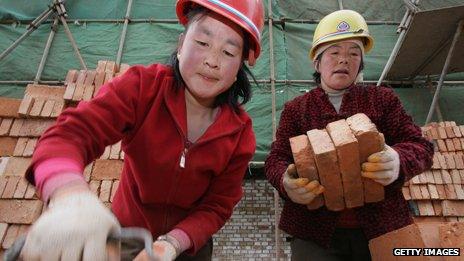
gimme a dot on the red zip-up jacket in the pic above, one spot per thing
(314, 110)
(157, 191)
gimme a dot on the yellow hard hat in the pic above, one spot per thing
(341, 25)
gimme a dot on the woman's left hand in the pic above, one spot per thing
(383, 167)
(163, 251)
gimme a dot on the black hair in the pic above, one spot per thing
(240, 89)
(317, 75)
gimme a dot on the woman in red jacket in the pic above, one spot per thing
(340, 41)
(187, 143)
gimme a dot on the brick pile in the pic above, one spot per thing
(438, 194)
(333, 156)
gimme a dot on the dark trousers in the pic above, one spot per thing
(346, 244)
(130, 249)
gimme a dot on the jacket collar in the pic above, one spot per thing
(226, 122)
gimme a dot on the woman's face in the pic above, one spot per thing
(339, 65)
(210, 55)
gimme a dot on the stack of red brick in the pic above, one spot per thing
(334, 156)
(438, 194)
(21, 124)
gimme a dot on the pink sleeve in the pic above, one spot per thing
(54, 173)
(182, 237)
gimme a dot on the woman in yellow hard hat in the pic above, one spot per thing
(186, 139)
(340, 42)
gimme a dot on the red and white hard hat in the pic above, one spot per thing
(248, 14)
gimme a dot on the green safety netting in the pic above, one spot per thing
(149, 41)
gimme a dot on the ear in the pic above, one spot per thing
(180, 42)
(316, 65)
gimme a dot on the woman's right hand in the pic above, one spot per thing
(75, 226)
(300, 190)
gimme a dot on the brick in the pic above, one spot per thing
(437, 176)
(438, 209)
(105, 190)
(327, 165)
(107, 169)
(457, 132)
(7, 146)
(370, 141)
(16, 127)
(347, 149)
(20, 146)
(5, 126)
(452, 236)
(415, 192)
(47, 108)
(429, 177)
(458, 159)
(450, 191)
(381, 247)
(457, 144)
(121, 156)
(111, 67)
(453, 208)
(88, 172)
(30, 192)
(450, 161)
(425, 208)
(89, 77)
(69, 93)
(461, 127)
(422, 178)
(10, 188)
(436, 163)
(3, 163)
(108, 77)
(123, 68)
(434, 133)
(450, 145)
(21, 189)
(26, 105)
(30, 146)
(441, 133)
(3, 183)
(428, 219)
(446, 177)
(424, 191)
(9, 107)
(406, 193)
(20, 211)
(71, 76)
(17, 166)
(37, 107)
(57, 109)
(115, 150)
(3, 229)
(94, 186)
(415, 180)
(451, 219)
(462, 174)
(10, 236)
(99, 79)
(442, 161)
(455, 176)
(442, 146)
(34, 127)
(432, 188)
(88, 92)
(114, 189)
(45, 91)
(78, 92)
(441, 191)
(450, 123)
(449, 132)
(459, 191)
(305, 164)
(101, 65)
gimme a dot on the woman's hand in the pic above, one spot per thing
(300, 190)
(383, 167)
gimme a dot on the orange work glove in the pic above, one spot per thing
(300, 190)
(383, 167)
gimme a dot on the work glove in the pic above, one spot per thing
(300, 190)
(75, 226)
(383, 167)
(165, 248)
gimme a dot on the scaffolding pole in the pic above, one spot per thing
(445, 70)
(51, 36)
(123, 33)
(340, 4)
(403, 28)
